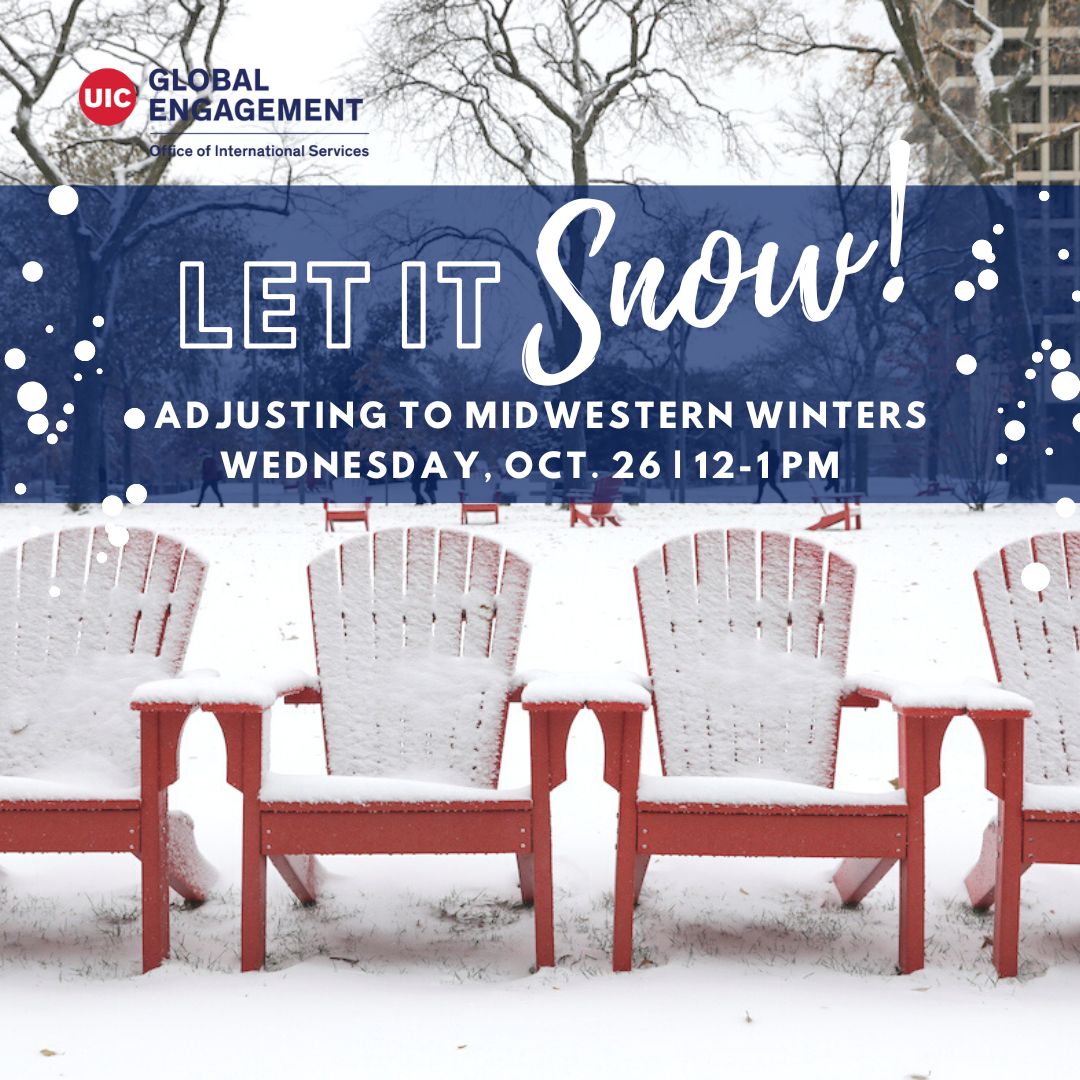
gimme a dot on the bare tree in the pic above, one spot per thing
(39, 47)
(527, 89)
(848, 128)
(929, 43)
(43, 50)
(530, 91)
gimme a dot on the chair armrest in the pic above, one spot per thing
(617, 698)
(164, 706)
(925, 709)
(207, 689)
(553, 702)
(180, 693)
(958, 697)
(239, 703)
(587, 690)
(520, 679)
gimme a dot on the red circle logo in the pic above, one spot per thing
(107, 96)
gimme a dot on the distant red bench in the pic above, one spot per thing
(468, 508)
(352, 513)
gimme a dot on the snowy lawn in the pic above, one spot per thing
(419, 964)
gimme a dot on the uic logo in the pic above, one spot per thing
(107, 97)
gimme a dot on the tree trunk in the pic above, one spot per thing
(862, 462)
(126, 470)
(89, 480)
(933, 445)
(566, 333)
(1009, 303)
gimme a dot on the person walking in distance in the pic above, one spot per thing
(770, 472)
(833, 483)
(414, 479)
(211, 474)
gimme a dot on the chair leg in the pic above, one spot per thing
(855, 877)
(641, 864)
(625, 882)
(1007, 896)
(301, 874)
(189, 872)
(913, 901)
(155, 888)
(543, 898)
(252, 892)
(981, 880)
(526, 879)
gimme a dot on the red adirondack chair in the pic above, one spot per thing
(1032, 764)
(746, 637)
(347, 513)
(469, 507)
(847, 512)
(602, 510)
(83, 623)
(416, 634)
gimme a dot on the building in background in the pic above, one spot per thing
(1050, 102)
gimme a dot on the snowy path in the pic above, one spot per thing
(422, 963)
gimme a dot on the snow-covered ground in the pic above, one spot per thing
(422, 964)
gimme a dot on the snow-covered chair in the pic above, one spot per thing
(416, 635)
(81, 624)
(1032, 765)
(746, 637)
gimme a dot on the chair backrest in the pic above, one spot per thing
(746, 637)
(1034, 639)
(416, 636)
(81, 624)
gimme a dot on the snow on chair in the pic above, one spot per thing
(746, 637)
(602, 510)
(83, 623)
(1032, 761)
(416, 634)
